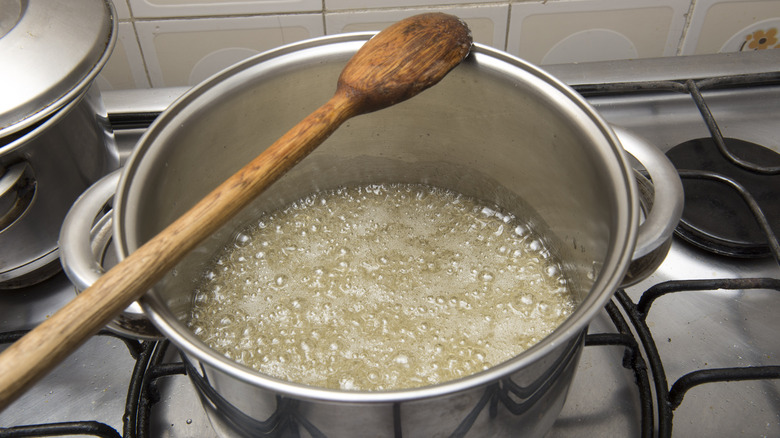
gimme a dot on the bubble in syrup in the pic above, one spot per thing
(401, 359)
(388, 290)
(241, 240)
(485, 276)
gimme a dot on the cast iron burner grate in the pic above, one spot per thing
(142, 394)
(747, 175)
(718, 172)
(150, 366)
(715, 217)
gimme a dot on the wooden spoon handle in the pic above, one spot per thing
(35, 354)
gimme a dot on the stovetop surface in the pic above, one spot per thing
(693, 330)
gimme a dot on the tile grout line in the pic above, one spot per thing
(324, 22)
(508, 25)
(132, 21)
(686, 27)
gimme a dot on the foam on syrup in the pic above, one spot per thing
(380, 287)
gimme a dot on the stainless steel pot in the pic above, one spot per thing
(495, 128)
(54, 137)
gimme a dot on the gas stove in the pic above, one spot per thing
(690, 351)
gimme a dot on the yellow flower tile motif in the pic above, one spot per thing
(760, 40)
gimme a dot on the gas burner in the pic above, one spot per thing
(715, 216)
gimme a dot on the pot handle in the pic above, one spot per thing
(84, 238)
(77, 234)
(667, 204)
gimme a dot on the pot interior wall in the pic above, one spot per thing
(491, 129)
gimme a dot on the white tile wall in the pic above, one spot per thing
(595, 30)
(185, 52)
(331, 5)
(196, 8)
(181, 42)
(486, 22)
(122, 9)
(125, 68)
(733, 25)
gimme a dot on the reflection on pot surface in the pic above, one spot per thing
(502, 408)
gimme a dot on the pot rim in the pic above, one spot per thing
(606, 282)
(28, 135)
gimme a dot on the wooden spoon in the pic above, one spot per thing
(394, 65)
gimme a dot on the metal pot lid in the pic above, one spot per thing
(51, 51)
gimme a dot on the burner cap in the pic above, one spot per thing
(715, 217)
